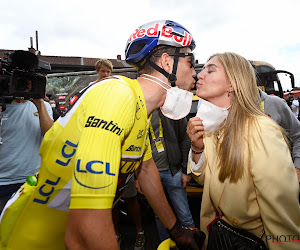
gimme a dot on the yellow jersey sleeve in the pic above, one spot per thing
(107, 116)
(148, 152)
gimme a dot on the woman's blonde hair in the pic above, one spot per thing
(242, 117)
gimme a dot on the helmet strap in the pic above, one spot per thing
(172, 78)
(176, 58)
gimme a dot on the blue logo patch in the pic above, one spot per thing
(92, 167)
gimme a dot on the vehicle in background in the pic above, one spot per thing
(270, 80)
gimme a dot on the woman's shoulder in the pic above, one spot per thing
(266, 126)
(266, 121)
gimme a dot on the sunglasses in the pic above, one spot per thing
(182, 55)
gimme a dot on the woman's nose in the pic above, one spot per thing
(200, 75)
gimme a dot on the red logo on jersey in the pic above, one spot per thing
(167, 32)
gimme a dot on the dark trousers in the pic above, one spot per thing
(6, 192)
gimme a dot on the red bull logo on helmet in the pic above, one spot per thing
(139, 33)
(165, 33)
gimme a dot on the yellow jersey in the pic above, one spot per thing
(88, 156)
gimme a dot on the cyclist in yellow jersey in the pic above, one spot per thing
(89, 154)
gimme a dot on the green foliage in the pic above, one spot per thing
(58, 85)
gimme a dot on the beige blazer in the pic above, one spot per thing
(265, 200)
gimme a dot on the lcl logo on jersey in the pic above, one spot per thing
(46, 190)
(67, 152)
(92, 167)
(168, 32)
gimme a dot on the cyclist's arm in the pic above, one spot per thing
(149, 180)
(96, 229)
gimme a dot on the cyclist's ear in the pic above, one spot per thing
(166, 62)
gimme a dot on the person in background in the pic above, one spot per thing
(290, 98)
(170, 146)
(23, 125)
(55, 110)
(241, 156)
(295, 107)
(103, 68)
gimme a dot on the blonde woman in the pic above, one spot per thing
(245, 163)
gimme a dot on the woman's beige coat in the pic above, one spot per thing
(265, 200)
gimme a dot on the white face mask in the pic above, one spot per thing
(211, 115)
(53, 105)
(178, 101)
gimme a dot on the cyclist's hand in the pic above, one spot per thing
(138, 187)
(187, 238)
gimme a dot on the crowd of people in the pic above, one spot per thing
(121, 136)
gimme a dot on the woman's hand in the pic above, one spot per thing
(195, 131)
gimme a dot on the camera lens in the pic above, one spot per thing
(21, 84)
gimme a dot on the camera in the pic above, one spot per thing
(21, 76)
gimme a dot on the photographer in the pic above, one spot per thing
(22, 126)
(290, 99)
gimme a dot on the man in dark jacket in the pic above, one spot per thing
(170, 146)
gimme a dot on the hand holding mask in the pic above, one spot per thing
(211, 115)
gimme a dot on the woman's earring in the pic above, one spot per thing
(229, 92)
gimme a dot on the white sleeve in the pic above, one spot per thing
(194, 168)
